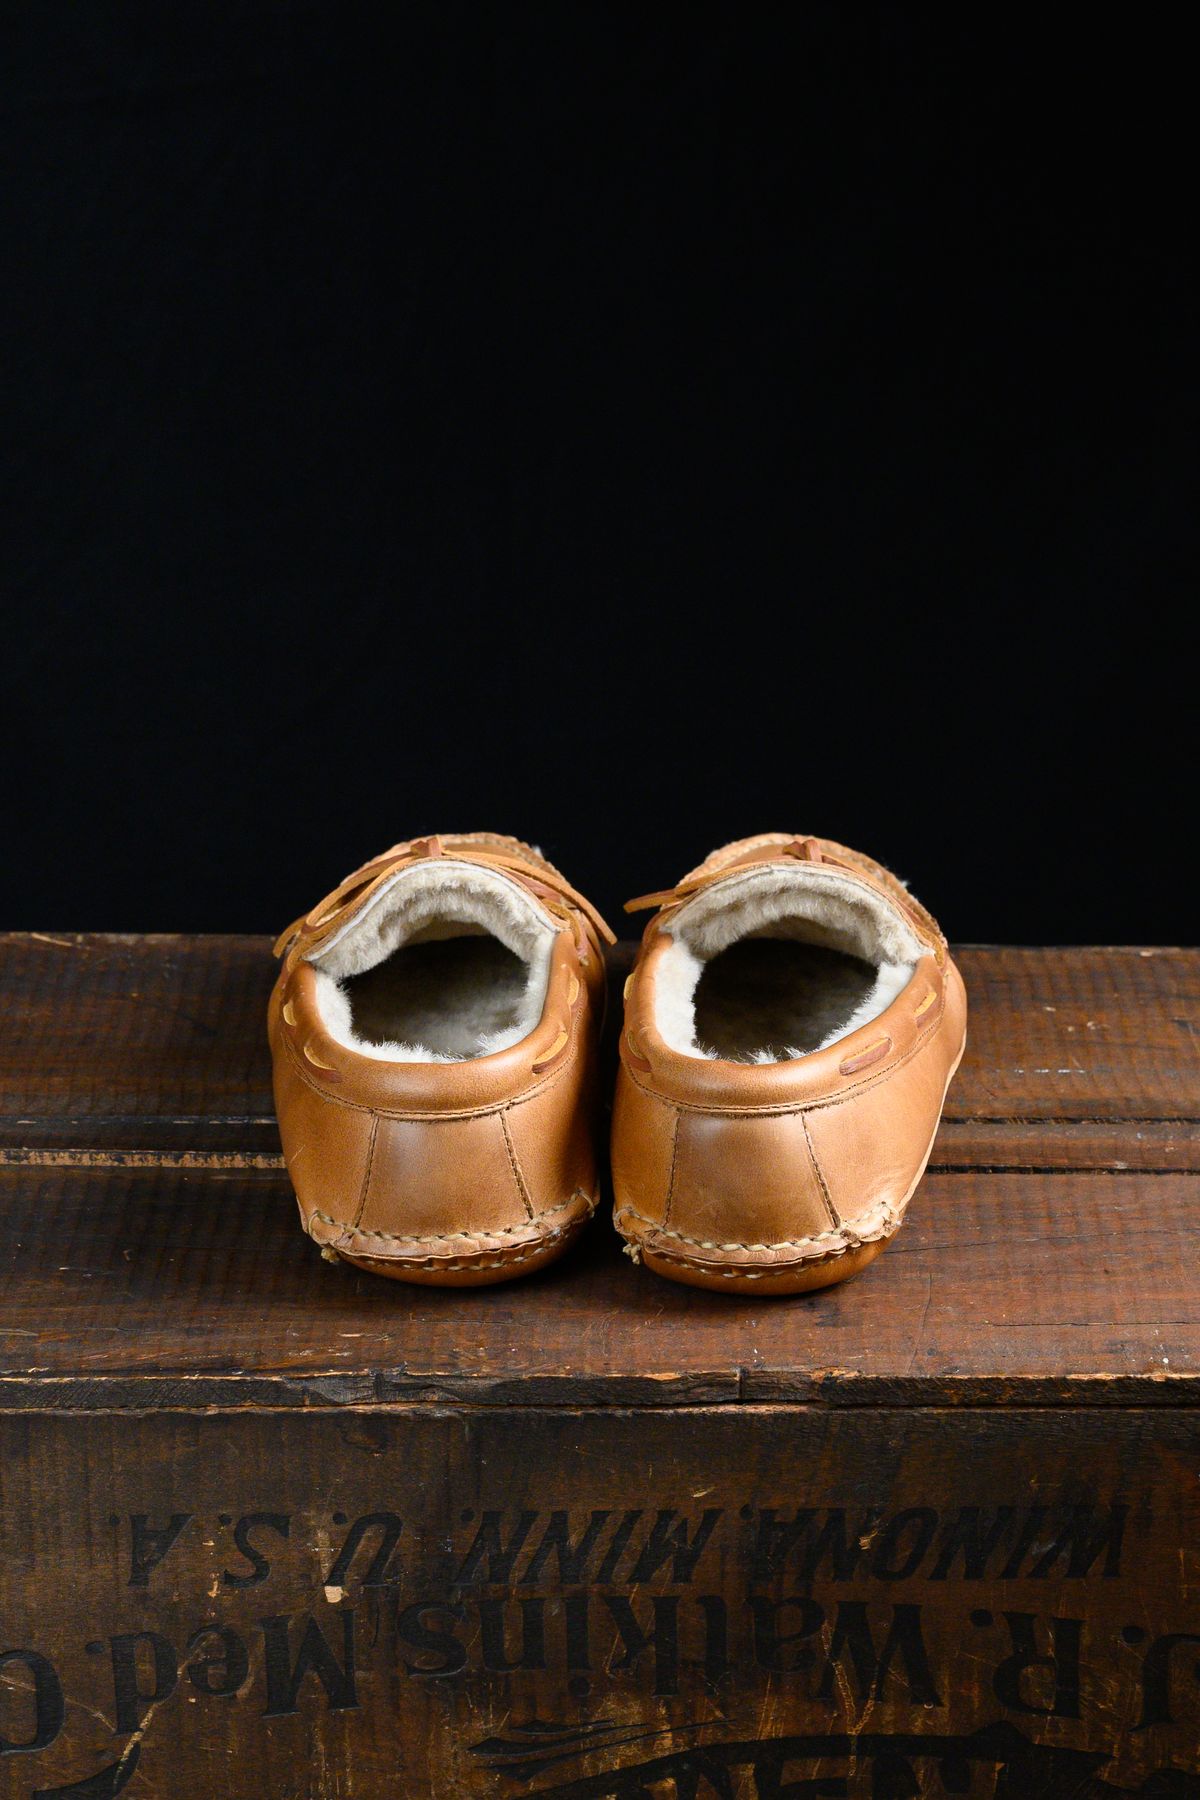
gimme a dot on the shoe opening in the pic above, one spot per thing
(767, 966)
(448, 962)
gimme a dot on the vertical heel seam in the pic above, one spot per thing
(835, 1218)
(514, 1164)
(366, 1181)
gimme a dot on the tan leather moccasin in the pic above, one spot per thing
(791, 1027)
(433, 1031)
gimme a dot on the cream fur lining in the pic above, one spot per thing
(431, 903)
(803, 902)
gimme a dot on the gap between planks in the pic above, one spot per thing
(1058, 1146)
(140, 1159)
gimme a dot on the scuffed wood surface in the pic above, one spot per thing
(145, 1285)
(152, 1256)
(559, 1605)
(1075, 1058)
(274, 1527)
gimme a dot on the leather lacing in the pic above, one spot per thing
(797, 849)
(566, 904)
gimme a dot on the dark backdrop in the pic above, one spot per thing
(626, 426)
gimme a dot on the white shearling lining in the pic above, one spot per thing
(448, 962)
(822, 996)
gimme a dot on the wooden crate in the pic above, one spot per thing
(275, 1530)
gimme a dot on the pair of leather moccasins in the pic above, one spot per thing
(791, 1025)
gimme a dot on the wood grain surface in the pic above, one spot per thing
(760, 1603)
(157, 1043)
(153, 1285)
(272, 1529)
(150, 1239)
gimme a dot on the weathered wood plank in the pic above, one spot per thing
(1017, 1145)
(157, 1043)
(124, 1286)
(976, 1465)
(132, 1029)
(1066, 1034)
(1155, 1145)
(419, 1605)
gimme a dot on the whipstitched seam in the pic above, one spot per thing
(497, 1259)
(845, 1236)
(446, 1237)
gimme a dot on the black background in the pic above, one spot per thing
(625, 426)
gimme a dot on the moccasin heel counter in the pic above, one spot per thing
(747, 1209)
(747, 1179)
(643, 1149)
(447, 1203)
(433, 1178)
(326, 1147)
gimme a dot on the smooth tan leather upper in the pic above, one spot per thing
(766, 1169)
(443, 1172)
